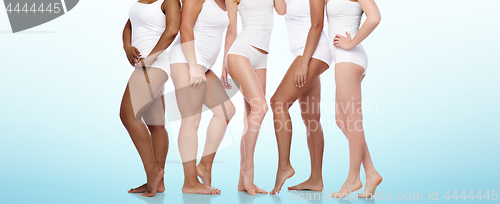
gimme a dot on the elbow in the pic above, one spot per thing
(171, 33)
(185, 29)
(281, 12)
(376, 20)
(317, 26)
(231, 32)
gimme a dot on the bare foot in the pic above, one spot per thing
(371, 184)
(348, 188)
(144, 188)
(153, 182)
(241, 187)
(247, 178)
(281, 176)
(310, 184)
(199, 188)
(204, 174)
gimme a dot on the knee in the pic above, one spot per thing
(339, 120)
(259, 108)
(311, 120)
(191, 122)
(156, 128)
(230, 111)
(127, 119)
(277, 105)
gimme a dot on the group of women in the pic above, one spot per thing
(153, 26)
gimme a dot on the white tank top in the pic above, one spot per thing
(148, 24)
(257, 22)
(208, 32)
(298, 23)
(343, 15)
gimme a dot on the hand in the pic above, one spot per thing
(343, 42)
(301, 74)
(132, 53)
(196, 75)
(224, 81)
(145, 62)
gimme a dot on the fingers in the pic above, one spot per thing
(137, 53)
(348, 35)
(225, 83)
(131, 61)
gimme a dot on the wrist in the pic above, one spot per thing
(352, 45)
(304, 63)
(192, 66)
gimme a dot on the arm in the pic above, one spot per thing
(317, 17)
(371, 22)
(280, 7)
(132, 53)
(231, 33)
(189, 15)
(172, 10)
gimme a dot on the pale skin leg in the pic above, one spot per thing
(348, 77)
(241, 71)
(143, 87)
(190, 100)
(373, 178)
(282, 100)
(223, 109)
(159, 138)
(261, 76)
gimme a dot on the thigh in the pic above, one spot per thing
(287, 91)
(144, 85)
(155, 114)
(189, 99)
(215, 94)
(348, 78)
(242, 72)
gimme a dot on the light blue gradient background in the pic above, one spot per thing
(433, 77)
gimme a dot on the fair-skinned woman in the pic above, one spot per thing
(191, 58)
(309, 45)
(246, 55)
(151, 28)
(350, 69)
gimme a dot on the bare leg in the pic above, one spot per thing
(143, 87)
(310, 107)
(240, 70)
(154, 118)
(286, 94)
(218, 101)
(261, 76)
(190, 102)
(373, 178)
(348, 77)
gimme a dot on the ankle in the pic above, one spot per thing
(192, 183)
(316, 178)
(282, 166)
(246, 167)
(353, 179)
(152, 169)
(205, 166)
